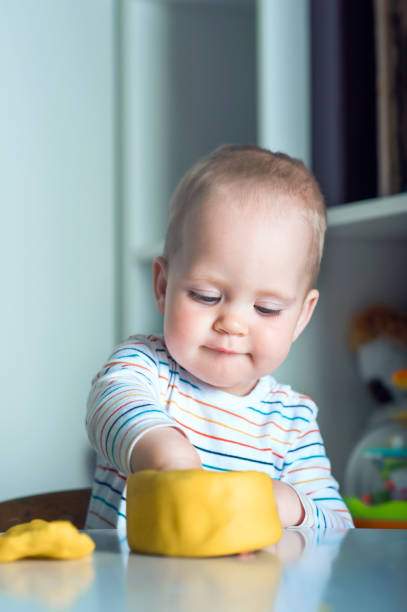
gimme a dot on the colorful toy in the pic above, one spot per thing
(376, 476)
(378, 337)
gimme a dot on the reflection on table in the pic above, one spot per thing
(308, 570)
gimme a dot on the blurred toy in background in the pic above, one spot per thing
(376, 475)
(378, 335)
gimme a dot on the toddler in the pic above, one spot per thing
(235, 286)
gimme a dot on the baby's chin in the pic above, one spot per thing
(232, 387)
(218, 373)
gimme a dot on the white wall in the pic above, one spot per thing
(57, 238)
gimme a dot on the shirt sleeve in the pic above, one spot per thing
(124, 402)
(308, 470)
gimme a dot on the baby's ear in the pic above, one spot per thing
(160, 277)
(308, 307)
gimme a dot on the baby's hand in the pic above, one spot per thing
(289, 506)
(165, 448)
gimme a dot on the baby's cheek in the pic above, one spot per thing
(184, 324)
(188, 318)
(178, 330)
(273, 348)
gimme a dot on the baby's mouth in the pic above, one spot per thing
(221, 349)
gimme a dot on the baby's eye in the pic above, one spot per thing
(267, 311)
(206, 299)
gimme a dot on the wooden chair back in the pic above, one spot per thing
(60, 505)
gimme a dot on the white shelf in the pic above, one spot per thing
(382, 218)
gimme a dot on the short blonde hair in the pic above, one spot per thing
(252, 164)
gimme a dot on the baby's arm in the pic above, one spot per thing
(288, 502)
(165, 448)
(126, 422)
(307, 472)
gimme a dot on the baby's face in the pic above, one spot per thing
(235, 295)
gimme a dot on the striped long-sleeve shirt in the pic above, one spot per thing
(273, 429)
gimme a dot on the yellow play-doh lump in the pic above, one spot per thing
(38, 538)
(196, 513)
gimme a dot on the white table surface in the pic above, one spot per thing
(322, 571)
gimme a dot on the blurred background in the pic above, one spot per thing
(104, 105)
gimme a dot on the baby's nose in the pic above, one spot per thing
(231, 323)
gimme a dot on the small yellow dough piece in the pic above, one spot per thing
(38, 538)
(196, 513)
